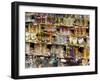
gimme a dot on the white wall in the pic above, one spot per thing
(5, 40)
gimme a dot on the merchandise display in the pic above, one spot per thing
(56, 40)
